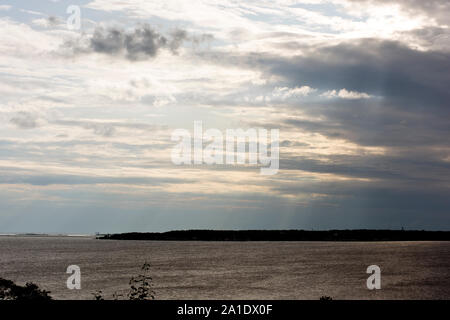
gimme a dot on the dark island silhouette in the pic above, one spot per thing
(284, 235)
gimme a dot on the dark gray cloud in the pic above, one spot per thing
(388, 69)
(410, 89)
(398, 74)
(143, 42)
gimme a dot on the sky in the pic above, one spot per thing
(359, 91)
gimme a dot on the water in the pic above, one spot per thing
(231, 270)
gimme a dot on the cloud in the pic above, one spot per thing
(400, 75)
(407, 119)
(51, 21)
(286, 93)
(140, 43)
(24, 120)
(178, 36)
(429, 38)
(107, 129)
(435, 9)
(345, 94)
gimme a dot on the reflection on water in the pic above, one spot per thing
(232, 270)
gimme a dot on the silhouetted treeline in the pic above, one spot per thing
(285, 235)
(30, 292)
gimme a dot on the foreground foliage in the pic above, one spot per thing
(141, 287)
(11, 291)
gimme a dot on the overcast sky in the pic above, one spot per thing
(358, 89)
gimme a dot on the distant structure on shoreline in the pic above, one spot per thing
(285, 235)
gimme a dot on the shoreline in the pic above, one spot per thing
(363, 235)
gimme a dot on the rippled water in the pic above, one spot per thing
(232, 270)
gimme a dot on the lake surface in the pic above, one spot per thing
(231, 270)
